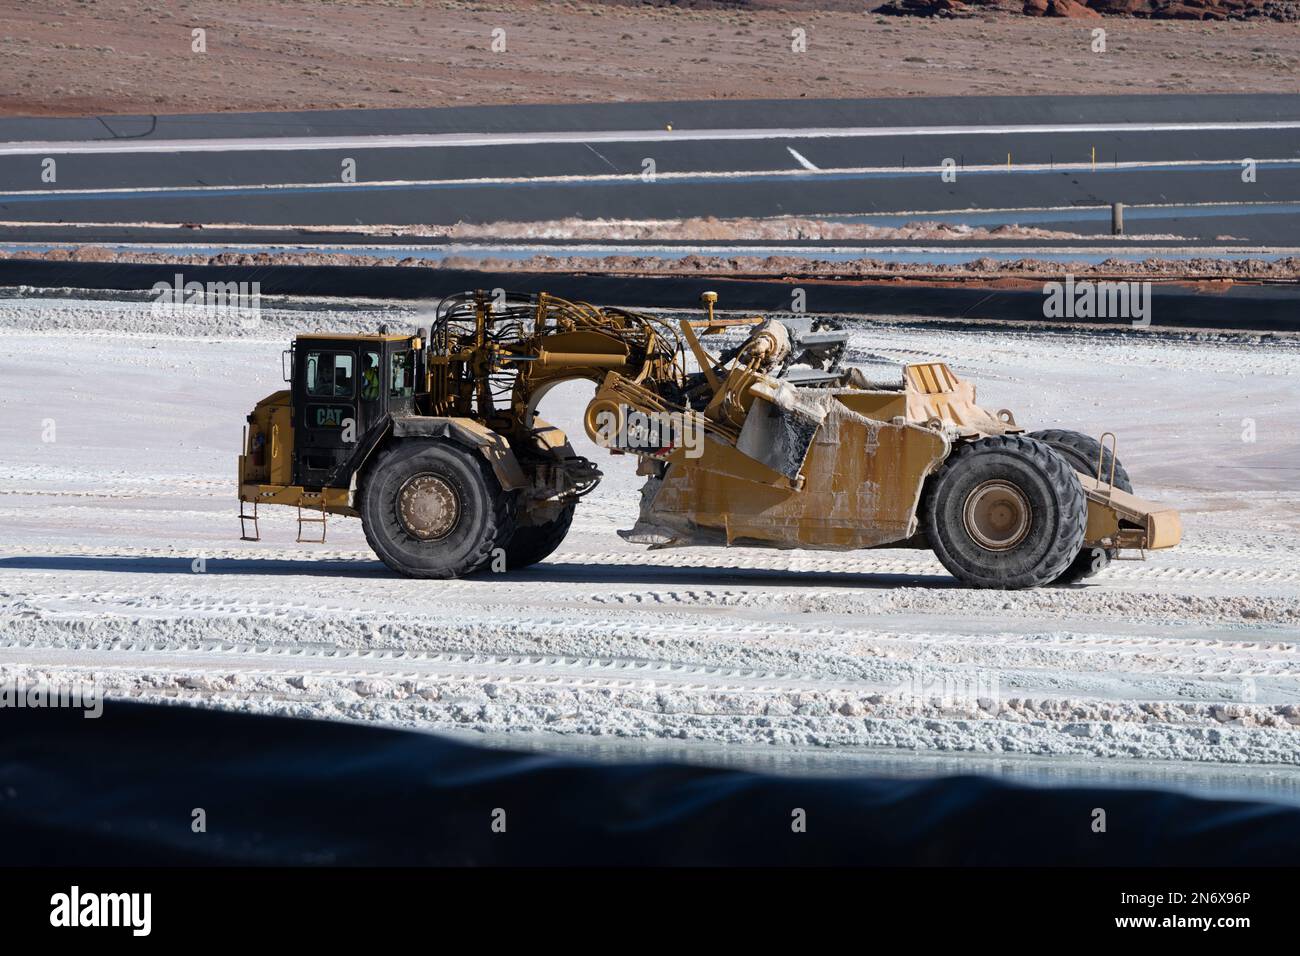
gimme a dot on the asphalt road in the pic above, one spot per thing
(1053, 162)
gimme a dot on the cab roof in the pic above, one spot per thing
(360, 337)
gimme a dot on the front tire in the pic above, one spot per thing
(1005, 512)
(432, 509)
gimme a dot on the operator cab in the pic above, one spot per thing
(345, 391)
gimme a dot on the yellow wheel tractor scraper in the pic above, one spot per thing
(433, 440)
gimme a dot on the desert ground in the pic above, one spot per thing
(65, 57)
(120, 561)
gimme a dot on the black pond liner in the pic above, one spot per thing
(120, 789)
(1263, 308)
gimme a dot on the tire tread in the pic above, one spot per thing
(1059, 475)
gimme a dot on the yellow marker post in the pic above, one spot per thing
(1094, 159)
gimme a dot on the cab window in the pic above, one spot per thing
(370, 377)
(330, 374)
(401, 377)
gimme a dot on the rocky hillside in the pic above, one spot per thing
(1286, 11)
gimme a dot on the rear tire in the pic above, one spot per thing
(533, 543)
(1005, 512)
(432, 509)
(1082, 451)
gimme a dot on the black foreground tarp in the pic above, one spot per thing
(123, 789)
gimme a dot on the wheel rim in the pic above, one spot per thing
(997, 515)
(428, 507)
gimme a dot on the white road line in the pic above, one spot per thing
(428, 140)
(801, 159)
(636, 177)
